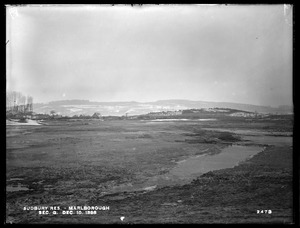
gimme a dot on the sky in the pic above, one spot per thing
(222, 53)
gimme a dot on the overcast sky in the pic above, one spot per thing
(239, 54)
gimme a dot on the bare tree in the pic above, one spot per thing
(16, 99)
(9, 101)
(17, 102)
(29, 104)
(22, 102)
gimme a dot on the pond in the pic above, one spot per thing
(229, 157)
(192, 167)
(187, 170)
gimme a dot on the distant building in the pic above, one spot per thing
(40, 116)
(167, 113)
(57, 116)
(244, 114)
(97, 115)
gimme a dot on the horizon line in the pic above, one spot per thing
(162, 100)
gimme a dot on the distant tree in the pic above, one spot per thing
(22, 101)
(9, 101)
(52, 112)
(17, 102)
(29, 103)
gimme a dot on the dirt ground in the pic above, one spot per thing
(107, 163)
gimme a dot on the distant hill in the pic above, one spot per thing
(85, 107)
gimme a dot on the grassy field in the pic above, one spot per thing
(92, 162)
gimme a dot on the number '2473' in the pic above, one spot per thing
(263, 211)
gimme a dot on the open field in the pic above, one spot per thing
(139, 169)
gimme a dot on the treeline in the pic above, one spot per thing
(18, 103)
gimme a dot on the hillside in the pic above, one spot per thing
(85, 107)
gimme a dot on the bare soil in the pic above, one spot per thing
(90, 162)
